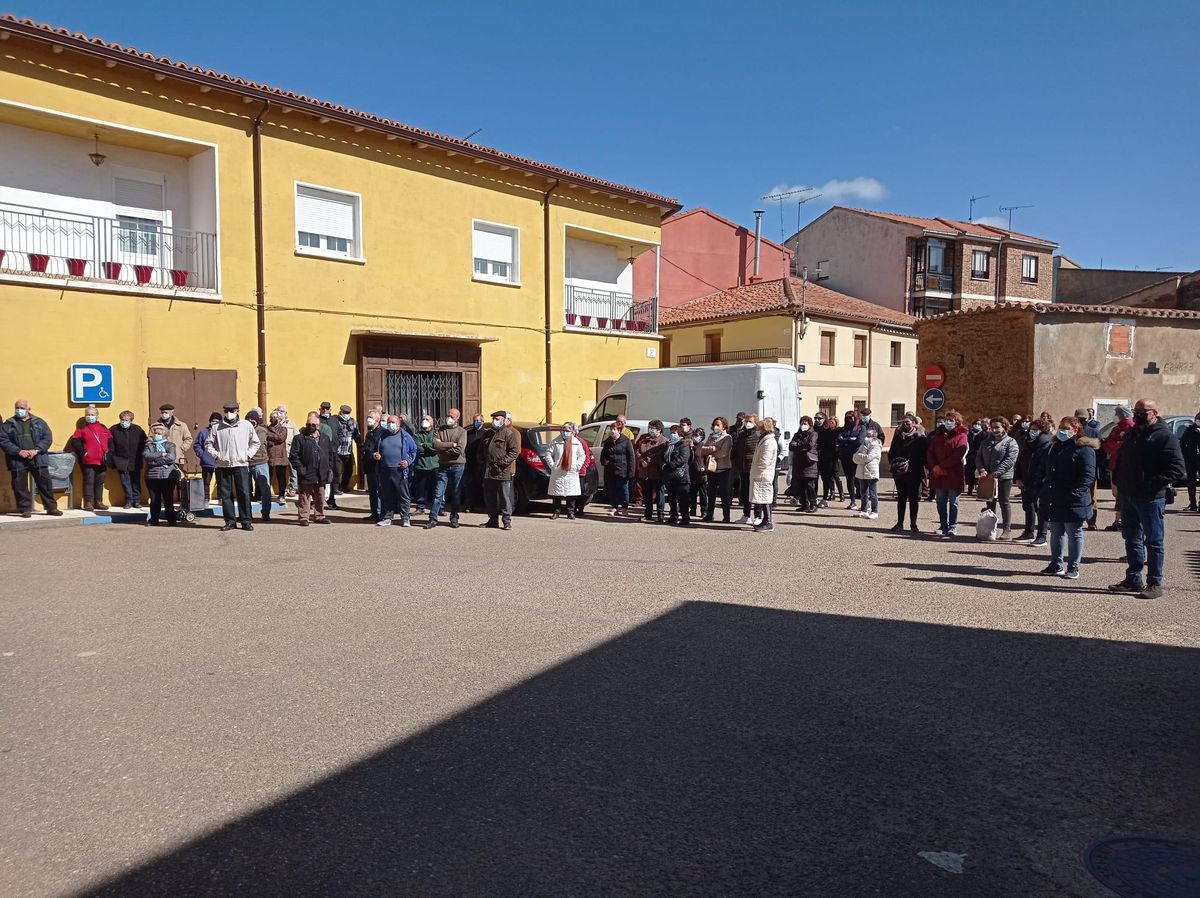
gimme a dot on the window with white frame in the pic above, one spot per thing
(1029, 269)
(979, 263)
(496, 250)
(328, 222)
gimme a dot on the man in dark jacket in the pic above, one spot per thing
(1030, 473)
(1148, 463)
(312, 459)
(128, 446)
(676, 475)
(500, 457)
(620, 463)
(1189, 444)
(374, 427)
(25, 439)
(745, 441)
(473, 474)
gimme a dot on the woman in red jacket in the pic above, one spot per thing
(1109, 449)
(946, 459)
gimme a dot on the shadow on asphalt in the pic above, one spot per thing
(730, 750)
(1045, 583)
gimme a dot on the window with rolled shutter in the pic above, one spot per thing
(327, 222)
(495, 250)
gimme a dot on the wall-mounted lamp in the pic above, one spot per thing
(96, 156)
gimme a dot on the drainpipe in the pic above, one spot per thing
(260, 290)
(758, 214)
(999, 255)
(549, 303)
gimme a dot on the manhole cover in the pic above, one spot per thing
(1145, 868)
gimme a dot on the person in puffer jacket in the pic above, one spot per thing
(946, 460)
(1067, 486)
(866, 472)
(996, 456)
(232, 443)
(160, 457)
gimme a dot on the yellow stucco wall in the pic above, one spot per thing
(767, 332)
(417, 208)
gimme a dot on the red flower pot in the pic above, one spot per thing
(179, 277)
(112, 271)
(143, 273)
(641, 325)
(1, 257)
(601, 322)
(585, 320)
(571, 316)
(77, 267)
(38, 262)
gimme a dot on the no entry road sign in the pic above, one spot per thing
(935, 377)
(934, 399)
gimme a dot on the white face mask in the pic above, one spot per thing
(370, 422)
(231, 416)
(804, 428)
(749, 425)
(166, 416)
(450, 422)
(426, 425)
(90, 419)
(615, 431)
(497, 423)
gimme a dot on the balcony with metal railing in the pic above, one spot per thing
(604, 310)
(769, 354)
(45, 243)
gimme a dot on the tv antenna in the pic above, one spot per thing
(974, 200)
(780, 197)
(1011, 209)
(472, 134)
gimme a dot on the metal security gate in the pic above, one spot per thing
(418, 393)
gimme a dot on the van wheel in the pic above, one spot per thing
(520, 498)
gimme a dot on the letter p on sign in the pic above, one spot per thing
(92, 383)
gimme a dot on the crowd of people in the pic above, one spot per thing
(678, 475)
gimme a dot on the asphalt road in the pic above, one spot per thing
(583, 708)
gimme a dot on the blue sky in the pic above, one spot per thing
(1090, 111)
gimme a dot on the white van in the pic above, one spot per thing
(705, 392)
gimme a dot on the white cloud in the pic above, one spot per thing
(860, 188)
(995, 221)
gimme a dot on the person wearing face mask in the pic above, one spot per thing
(208, 462)
(278, 468)
(128, 448)
(867, 419)
(425, 471)
(650, 448)
(282, 411)
(745, 443)
(676, 475)
(619, 462)
(1070, 471)
(1189, 445)
(374, 427)
(850, 437)
(500, 453)
(25, 440)
(827, 459)
(161, 459)
(906, 457)
(698, 482)
(977, 435)
(473, 472)
(311, 457)
(1110, 448)
(1148, 463)
(717, 453)
(349, 438)
(805, 466)
(233, 442)
(450, 443)
(260, 468)
(996, 459)
(396, 456)
(685, 427)
(92, 443)
(762, 477)
(1030, 476)
(866, 462)
(946, 460)
(564, 461)
(181, 435)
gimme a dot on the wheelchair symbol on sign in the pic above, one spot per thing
(103, 394)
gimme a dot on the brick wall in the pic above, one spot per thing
(988, 359)
(964, 283)
(1014, 287)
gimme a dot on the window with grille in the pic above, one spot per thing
(496, 252)
(328, 222)
(419, 393)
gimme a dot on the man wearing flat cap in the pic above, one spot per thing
(348, 437)
(233, 442)
(500, 450)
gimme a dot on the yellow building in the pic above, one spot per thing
(212, 238)
(848, 354)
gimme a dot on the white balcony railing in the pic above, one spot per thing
(606, 310)
(124, 250)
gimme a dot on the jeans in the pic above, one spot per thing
(618, 490)
(371, 469)
(1003, 491)
(947, 506)
(498, 497)
(23, 493)
(131, 486)
(1142, 528)
(395, 492)
(1073, 532)
(261, 474)
(653, 494)
(448, 491)
(93, 484)
(868, 493)
(234, 483)
(162, 498)
(718, 488)
(908, 495)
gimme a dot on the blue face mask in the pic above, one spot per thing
(1064, 435)
(21, 413)
(159, 439)
(125, 425)
(393, 427)
(673, 438)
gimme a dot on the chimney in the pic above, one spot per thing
(758, 214)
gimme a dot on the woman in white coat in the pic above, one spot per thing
(762, 476)
(564, 463)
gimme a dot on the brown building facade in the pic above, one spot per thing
(1015, 358)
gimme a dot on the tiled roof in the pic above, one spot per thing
(733, 224)
(244, 87)
(952, 226)
(1057, 308)
(788, 295)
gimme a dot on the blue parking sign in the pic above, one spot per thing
(91, 383)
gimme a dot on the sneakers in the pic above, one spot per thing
(1152, 591)
(744, 519)
(429, 525)
(406, 523)
(860, 514)
(872, 515)
(1024, 537)
(386, 522)
(1127, 585)
(763, 528)
(1072, 573)
(1039, 542)
(1053, 569)
(1113, 527)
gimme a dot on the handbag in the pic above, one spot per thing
(900, 467)
(985, 489)
(710, 464)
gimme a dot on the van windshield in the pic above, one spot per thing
(611, 407)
